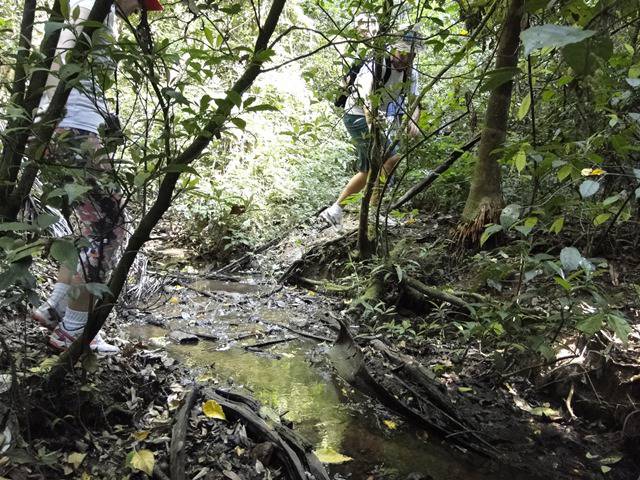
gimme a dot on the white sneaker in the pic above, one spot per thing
(46, 315)
(332, 215)
(61, 339)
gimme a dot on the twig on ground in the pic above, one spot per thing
(179, 435)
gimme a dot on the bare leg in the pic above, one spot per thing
(357, 183)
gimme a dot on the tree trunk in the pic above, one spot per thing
(485, 202)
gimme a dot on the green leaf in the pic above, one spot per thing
(65, 252)
(563, 283)
(17, 227)
(238, 122)
(549, 35)
(620, 327)
(265, 107)
(45, 220)
(600, 219)
(264, 55)
(589, 188)
(584, 57)
(235, 97)
(591, 325)
(524, 107)
(490, 230)
(497, 77)
(571, 258)
(74, 191)
(520, 160)
(565, 171)
(510, 215)
(557, 225)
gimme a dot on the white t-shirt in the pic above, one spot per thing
(86, 107)
(393, 91)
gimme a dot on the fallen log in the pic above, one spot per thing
(179, 435)
(301, 446)
(435, 293)
(348, 360)
(432, 176)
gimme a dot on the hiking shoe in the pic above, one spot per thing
(332, 215)
(46, 315)
(61, 339)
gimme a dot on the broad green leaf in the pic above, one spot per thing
(584, 57)
(143, 460)
(510, 215)
(490, 230)
(550, 35)
(17, 227)
(65, 252)
(520, 160)
(589, 188)
(74, 191)
(563, 283)
(238, 122)
(600, 219)
(45, 220)
(213, 409)
(557, 225)
(565, 171)
(591, 325)
(497, 77)
(570, 258)
(620, 327)
(524, 107)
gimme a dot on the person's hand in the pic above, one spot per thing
(413, 130)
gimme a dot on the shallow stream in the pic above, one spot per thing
(294, 381)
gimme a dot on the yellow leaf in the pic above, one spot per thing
(464, 32)
(76, 459)
(141, 435)
(174, 300)
(46, 365)
(85, 476)
(213, 409)
(143, 460)
(391, 425)
(329, 455)
(598, 171)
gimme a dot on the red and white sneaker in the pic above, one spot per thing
(61, 339)
(46, 315)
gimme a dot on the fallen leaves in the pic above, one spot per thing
(213, 409)
(142, 460)
(391, 425)
(329, 455)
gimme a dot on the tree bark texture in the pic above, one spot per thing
(485, 196)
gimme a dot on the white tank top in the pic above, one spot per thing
(86, 106)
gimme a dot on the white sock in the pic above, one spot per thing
(74, 319)
(58, 294)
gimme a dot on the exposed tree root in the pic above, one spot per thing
(468, 233)
(418, 291)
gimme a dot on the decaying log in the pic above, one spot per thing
(348, 360)
(420, 375)
(179, 435)
(300, 445)
(295, 465)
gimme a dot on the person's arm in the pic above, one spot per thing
(412, 128)
(364, 87)
(66, 42)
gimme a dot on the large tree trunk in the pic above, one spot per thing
(484, 202)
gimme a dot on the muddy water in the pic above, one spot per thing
(293, 380)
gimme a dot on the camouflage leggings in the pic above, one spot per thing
(97, 216)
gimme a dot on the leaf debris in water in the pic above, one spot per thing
(329, 455)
